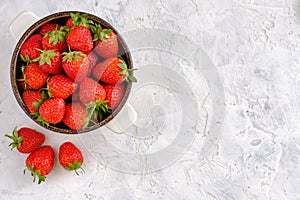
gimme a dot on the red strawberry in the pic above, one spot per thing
(74, 115)
(40, 162)
(51, 111)
(70, 157)
(61, 86)
(50, 61)
(80, 39)
(34, 76)
(113, 71)
(55, 40)
(32, 100)
(76, 65)
(114, 94)
(70, 24)
(21, 82)
(93, 58)
(49, 27)
(106, 42)
(90, 90)
(26, 139)
(75, 95)
(92, 94)
(28, 51)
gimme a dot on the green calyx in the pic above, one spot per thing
(75, 166)
(24, 78)
(45, 96)
(57, 35)
(26, 59)
(97, 110)
(69, 56)
(81, 20)
(45, 57)
(126, 72)
(36, 173)
(100, 34)
(38, 118)
(16, 139)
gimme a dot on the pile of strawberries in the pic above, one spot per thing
(72, 74)
(40, 160)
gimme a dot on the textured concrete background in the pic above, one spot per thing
(255, 47)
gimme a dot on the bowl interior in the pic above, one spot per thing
(61, 18)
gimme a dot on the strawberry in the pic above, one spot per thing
(80, 39)
(93, 58)
(49, 27)
(76, 65)
(114, 94)
(90, 90)
(74, 115)
(50, 61)
(34, 76)
(21, 82)
(28, 51)
(78, 19)
(70, 24)
(113, 71)
(60, 86)
(75, 95)
(106, 42)
(51, 111)
(55, 40)
(70, 157)
(40, 162)
(26, 140)
(92, 94)
(32, 100)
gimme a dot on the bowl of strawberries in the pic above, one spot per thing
(71, 72)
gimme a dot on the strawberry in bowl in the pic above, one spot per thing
(71, 72)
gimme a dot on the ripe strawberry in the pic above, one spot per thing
(70, 24)
(92, 94)
(55, 40)
(21, 82)
(80, 39)
(60, 86)
(50, 61)
(106, 42)
(76, 65)
(49, 27)
(28, 51)
(34, 76)
(74, 115)
(51, 111)
(113, 71)
(26, 139)
(32, 100)
(75, 95)
(90, 90)
(70, 157)
(93, 58)
(114, 94)
(40, 162)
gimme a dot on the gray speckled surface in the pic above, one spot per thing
(254, 46)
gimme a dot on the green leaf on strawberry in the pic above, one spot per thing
(127, 72)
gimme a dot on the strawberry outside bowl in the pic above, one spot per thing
(25, 26)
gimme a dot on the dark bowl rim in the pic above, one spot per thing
(32, 29)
